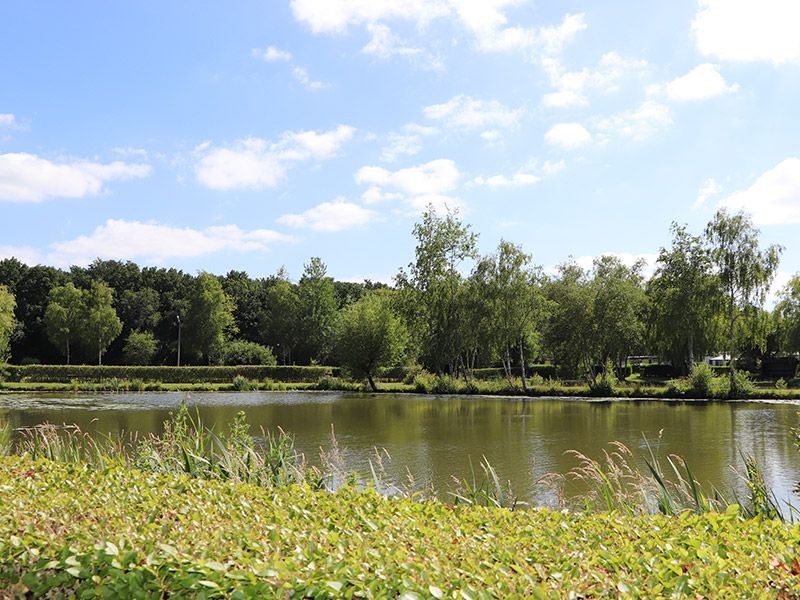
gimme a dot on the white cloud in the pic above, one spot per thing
(627, 259)
(709, 189)
(552, 167)
(516, 180)
(780, 281)
(272, 54)
(748, 31)
(330, 216)
(702, 82)
(154, 242)
(27, 254)
(7, 120)
(255, 163)
(637, 124)
(29, 178)
(301, 75)
(408, 142)
(572, 86)
(128, 151)
(485, 20)
(418, 186)
(568, 135)
(385, 44)
(470, 114)
(774, 198)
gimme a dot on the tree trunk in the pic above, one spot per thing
(99, 349)
(522, 365)
(67, 351)
(372, 383)
(731, 368)
(691, 350)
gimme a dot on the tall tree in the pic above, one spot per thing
(7, 322)
(318, 307)
(745, 272)
(280, 320)
(369, 335)
(788, 311)
(431, 288)
(682, 295)
(65, 316)
(209, 318)
(102, 325)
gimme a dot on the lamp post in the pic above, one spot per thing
(178, 318)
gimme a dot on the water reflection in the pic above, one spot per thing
(439, 437)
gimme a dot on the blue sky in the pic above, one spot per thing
(251, 135)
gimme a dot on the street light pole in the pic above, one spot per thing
(178, 318)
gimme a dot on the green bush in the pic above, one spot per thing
(242, 384)
(604, 384)
(444, 384)
(140, 348)
(242, 352)
(702, 381)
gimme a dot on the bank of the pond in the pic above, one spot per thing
(74, 529)
(486, 388)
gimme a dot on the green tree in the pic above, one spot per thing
(140, 348)
(65, 316)
(745, 272)
(242, 352)
(280, 320)
(7, 321)
(369, 335)
(788, 313)
(682, 295)
(431, 290)
(318, 307)
(209, 318)
(102, 325)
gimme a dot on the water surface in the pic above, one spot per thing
(436, 438)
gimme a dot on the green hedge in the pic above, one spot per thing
(546, 371)
(73, 531)
(66, 373)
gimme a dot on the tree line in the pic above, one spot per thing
(450, 310)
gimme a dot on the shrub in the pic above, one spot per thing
(140, 348)
(242, 384)
(136, 385)
(702, 381)
(781, 384)
(604, 384)
(423, 382)
(444, 384)
(242, 352)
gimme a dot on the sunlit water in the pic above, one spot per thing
(436, 438)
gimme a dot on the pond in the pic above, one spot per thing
(438, 437)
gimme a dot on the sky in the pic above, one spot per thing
(255, 135)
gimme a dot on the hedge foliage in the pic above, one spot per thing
(73, 530)
(219, 374)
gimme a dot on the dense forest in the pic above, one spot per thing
(449, 310)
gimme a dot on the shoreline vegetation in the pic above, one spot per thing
(704, 384)
(285, 529)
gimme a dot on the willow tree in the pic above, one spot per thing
(7, 321)
(745, 272)
(788, 312)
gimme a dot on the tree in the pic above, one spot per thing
(209, 318)
(369, 335)
(102, 325)
(280, 321)
(242, 352)
(745, 272)
(64, 316)
(431, 289)
(682, 295)
(140, 348)
(7, 321)
(788, 312)
(317, 310)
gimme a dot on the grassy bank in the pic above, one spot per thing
(74, 529)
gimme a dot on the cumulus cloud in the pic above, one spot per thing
(255, 163)
(7, 120)
(500, 181)
(330, 216)
(774, 198)
(637, 124)
(701, 83)
(385, 44)
(429, 183)
(551, 167)
(572, 86)
(407, 142)
(27, 254)
(746, 31)
(155, 242)
(709, 189)
(465, 113)
(485, 20)
(29, 178)
(568, 136)
(272, 54)
(301, 75)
